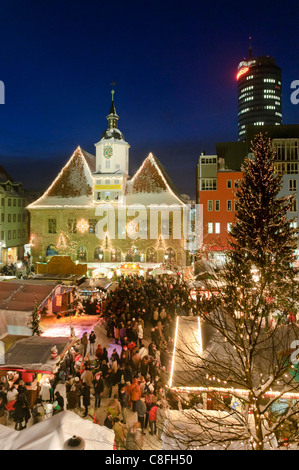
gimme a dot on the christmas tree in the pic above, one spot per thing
(35, 321)
(262, 239)
(246, 366)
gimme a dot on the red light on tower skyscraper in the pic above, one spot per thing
(242, 71)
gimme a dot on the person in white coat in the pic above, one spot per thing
(140, 334)
(45, 390)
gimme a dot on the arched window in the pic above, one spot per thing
(81, 253)
(129, 256)
(151, 255)
(98, 254)
(170, 255)
(51, 250)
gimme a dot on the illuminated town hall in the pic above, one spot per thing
(96, 213)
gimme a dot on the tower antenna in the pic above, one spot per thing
(250, 49)
(112, 84)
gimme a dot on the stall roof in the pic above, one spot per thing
(104, 283)
(20, 296)
(199, 347)
(56, 278)
(196, 429)
(34, 353)
(52, 433)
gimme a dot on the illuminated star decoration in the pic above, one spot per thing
(82, 225)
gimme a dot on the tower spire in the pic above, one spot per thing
(112, 116)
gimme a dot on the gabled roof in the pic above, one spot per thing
(152, 182)
(73, 185)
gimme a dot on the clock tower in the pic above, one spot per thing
(112, 161)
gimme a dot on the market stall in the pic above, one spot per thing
(188, 430)
(55, 432)
(34, 359)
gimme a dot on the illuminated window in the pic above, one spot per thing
(217, 227)
(92, 225)
(208, 184)
(210, 227)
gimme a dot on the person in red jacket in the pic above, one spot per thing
(152, 418)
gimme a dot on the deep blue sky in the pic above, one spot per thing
(174, 63)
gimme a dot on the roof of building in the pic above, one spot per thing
(20, 296)
(34, 353)
(153, 183)
(73, 185)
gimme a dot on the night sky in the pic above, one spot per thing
(174, 63)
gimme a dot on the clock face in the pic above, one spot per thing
(108, 151)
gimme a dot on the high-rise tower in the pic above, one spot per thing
(259, 93)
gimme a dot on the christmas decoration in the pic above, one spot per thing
(82, 225)
(35, 321)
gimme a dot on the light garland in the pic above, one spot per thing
(61, 243)
(234, 391)
(106, 245)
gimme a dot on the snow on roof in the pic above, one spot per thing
(34, 352)
(21, 297)
(52, 433)
(152, 183)
(73, 185)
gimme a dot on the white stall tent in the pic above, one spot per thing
(52, 433)
(205, 430)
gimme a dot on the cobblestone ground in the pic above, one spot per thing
(52, 326)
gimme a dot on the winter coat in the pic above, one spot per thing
(140, 332)
(72, 400)
(86, 396)
(140, 407)
(152, 415)
(99, 386)
(135, 391)
(134, 440)
(87, 377)
(124, 399)
(45, 391)
(21, 409)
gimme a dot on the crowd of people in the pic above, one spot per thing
(139, 317)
